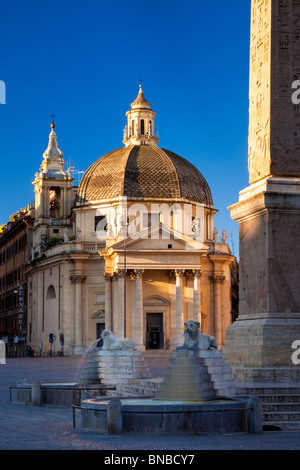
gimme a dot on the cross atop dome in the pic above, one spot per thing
(140, 123)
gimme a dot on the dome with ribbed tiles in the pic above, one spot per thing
(143, 172)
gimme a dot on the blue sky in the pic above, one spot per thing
(82, 61)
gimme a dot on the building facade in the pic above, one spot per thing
(15, 242)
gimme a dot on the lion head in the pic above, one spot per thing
(191, 328)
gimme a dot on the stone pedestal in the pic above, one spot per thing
(121, 366)
(261, 339)
(196, 376)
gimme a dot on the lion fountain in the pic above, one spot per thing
(113, 343)
(195, 339)
(197, 393)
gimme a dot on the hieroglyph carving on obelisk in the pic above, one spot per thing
(274, 126)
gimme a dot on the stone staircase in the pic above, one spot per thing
(197, 376)
(157, 361)
(135, 388)
(281, 404)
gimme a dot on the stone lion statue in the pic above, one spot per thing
(194, 339)
(112, 342)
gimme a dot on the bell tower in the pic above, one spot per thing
(53, 195)
(140, 123)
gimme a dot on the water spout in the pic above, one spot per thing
(87, 351)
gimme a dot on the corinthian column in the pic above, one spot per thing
(179, 301)
(197, 296)
(115, 303)
(108, 301)
(78, 279)
(217, 280)
(121, 306)
(139, 311)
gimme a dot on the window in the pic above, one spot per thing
(142, 126)
(51, 293)
(133, 127)
(150, 219)
(99, 298)
(100, 223)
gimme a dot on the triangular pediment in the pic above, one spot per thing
(100, 314)
(159, 237)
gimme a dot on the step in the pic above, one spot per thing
(281, 406)
(268, 389)
(135, 390)
(282, 425)
(281, 416)
(286, 398)
(280, 398)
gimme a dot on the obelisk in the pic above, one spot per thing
(259, 345)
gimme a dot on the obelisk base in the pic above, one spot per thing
(259, 348)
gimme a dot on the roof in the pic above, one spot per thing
(143, 172)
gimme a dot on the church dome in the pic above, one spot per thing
(143, 172)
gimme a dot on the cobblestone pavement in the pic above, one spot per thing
(24, 427)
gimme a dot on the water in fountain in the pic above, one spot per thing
(176, 341)
(87, 352)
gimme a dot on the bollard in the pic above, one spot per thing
(255, 415)
(36, 395)
(114, 417)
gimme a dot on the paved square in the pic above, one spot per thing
(24, 427)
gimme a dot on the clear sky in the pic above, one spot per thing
(82, 62)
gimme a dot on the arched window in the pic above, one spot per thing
(132, 127)
(51, 293)
(142, 127)
(150, 128)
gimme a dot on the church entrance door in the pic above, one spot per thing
(155, 333)
(100, 328)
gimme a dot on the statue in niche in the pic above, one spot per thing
(78, 234)
(196, 225)
(66, 235)
(44, 243)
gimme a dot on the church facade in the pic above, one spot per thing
(132, 249)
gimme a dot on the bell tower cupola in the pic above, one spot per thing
(53, 183)
(140, 123)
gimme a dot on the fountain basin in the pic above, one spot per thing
(144, 415)
(56, 393)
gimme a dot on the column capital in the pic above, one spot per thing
(107, 276)
(217, 279)
(77, 278)
(179, 272)
(120, 272)
(139, 273)
(197, 273)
